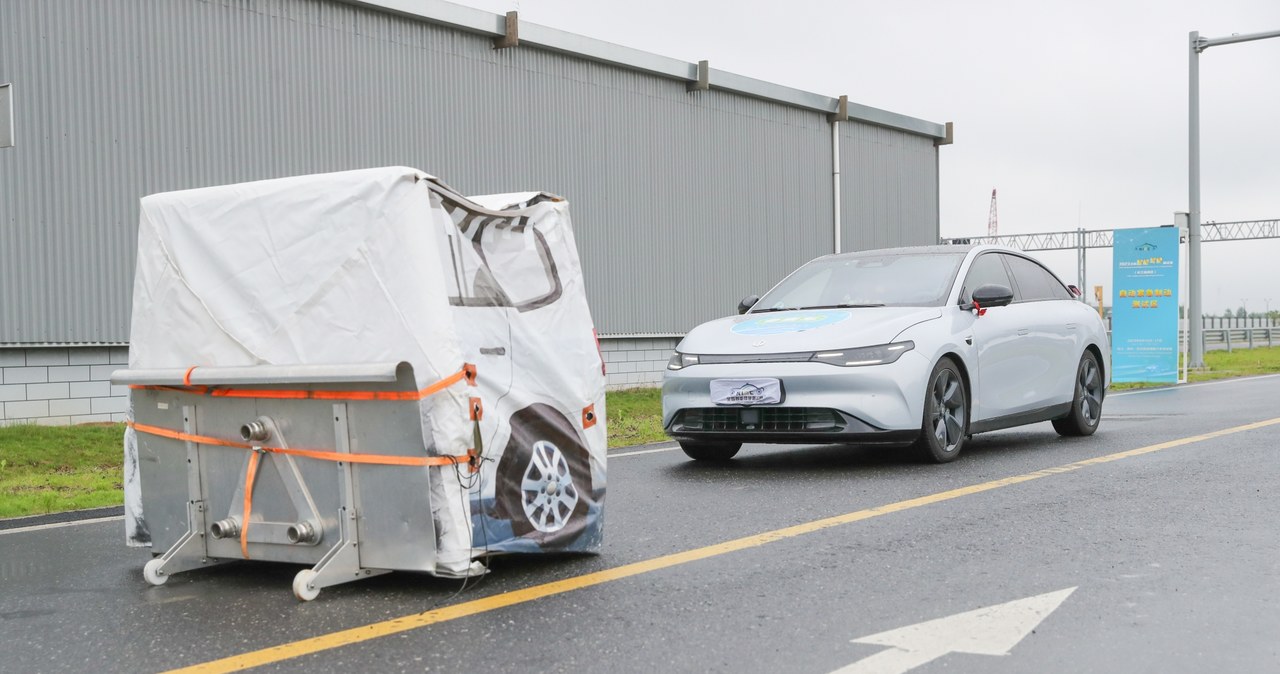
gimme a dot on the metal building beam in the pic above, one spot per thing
(511, 32)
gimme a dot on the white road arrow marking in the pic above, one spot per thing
(993, 630)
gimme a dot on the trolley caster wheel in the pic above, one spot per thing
(152, 572)
(302, 585)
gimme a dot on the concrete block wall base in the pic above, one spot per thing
(636, 362)
(60, 386)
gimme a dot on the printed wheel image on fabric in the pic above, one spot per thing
(544, 478)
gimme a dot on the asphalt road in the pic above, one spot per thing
(1165, 559)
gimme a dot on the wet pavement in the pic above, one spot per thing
(1173, 554)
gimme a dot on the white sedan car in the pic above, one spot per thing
(909, 346)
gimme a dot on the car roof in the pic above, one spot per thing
(908, 250)
(970, 249)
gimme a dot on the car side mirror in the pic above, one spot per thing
(992, 295)
(747, 302)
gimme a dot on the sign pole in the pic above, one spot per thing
(1194, 309)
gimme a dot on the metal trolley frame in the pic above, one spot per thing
(321, 465)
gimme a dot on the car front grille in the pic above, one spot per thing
(759, 419)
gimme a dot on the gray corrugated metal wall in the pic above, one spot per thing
(683, 202)
(888, 189)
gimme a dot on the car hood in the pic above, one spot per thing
(805, 330)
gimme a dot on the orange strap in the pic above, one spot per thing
(249, 478)
(323, 455)
(467, 373)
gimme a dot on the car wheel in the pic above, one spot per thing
(1086, 404)
(544, 478)
(711, 451)
(946, 414)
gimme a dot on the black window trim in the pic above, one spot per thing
(1018, 298)
(965, 292)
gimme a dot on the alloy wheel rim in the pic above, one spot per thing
(948, 410)
(548, 494)
(1090, 386)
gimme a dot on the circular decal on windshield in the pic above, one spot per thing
(777, 324)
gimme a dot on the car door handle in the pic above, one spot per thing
(1024, 331)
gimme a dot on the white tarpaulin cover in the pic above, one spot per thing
(386, 265)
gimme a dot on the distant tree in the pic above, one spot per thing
(1228, 313)
(1241, 313)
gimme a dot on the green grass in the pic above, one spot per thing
(1239, 363)
(634, 416)
(1224, 365)
(45, 469)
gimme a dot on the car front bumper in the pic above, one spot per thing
(820, 403)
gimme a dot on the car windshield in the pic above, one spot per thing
(868, 279)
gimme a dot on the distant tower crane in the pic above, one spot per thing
(992, 225)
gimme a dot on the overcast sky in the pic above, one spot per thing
(1075, 111)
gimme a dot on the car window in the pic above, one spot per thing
(499, 261)
(871, 278)
(986, 269)
(1035, 282)
(518, 261)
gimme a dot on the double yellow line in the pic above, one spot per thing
(410, 622)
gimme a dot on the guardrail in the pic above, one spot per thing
(1231, 339)
(1219, 322)
(1241, 338)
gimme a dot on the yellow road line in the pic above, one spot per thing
(388, 627)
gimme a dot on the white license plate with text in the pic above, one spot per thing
(746, 391)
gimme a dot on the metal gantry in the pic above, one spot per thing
(1083, 239)
(1242, 230)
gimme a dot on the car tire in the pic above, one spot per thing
(710, 451)
(544, 478)
(1086, 403)
(945, 426)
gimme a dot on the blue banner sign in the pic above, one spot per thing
(1144, 307)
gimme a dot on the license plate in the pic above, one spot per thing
(746, 391)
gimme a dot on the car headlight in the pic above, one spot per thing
(867, 355)
(681, 360)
